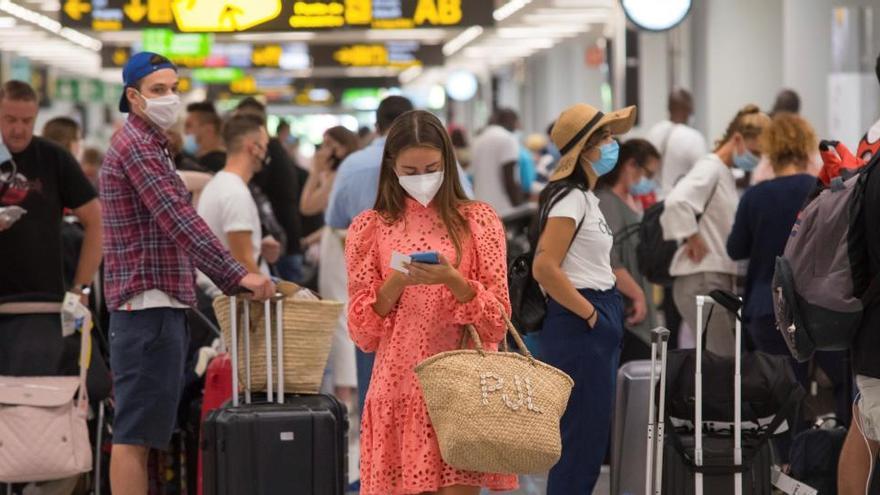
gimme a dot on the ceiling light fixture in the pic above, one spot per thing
(274, 37)
(459, 42)
(509, 8)
(656, 15)
(410, 75)
(435, 35)
(50, 25)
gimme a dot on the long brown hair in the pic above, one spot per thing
(418, 128)
(344, 137)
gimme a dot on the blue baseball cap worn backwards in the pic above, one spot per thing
(138, 67)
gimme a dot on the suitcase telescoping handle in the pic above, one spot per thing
(737, 399)
(267, 318)
(654, 473)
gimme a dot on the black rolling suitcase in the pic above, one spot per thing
(286, 444)
(706, 461)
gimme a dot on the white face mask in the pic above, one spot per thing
(422, 187)
(163, 110)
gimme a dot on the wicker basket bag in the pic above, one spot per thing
(308, 334)
(495, 412)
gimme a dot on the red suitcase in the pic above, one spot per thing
(218, 390)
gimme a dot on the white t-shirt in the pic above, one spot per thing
(227, 206)
(692, 196)
(494, 147)
(680, 146)
(588, 262)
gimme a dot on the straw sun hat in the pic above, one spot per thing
(576, 125)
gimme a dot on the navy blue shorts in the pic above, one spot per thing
(147, 356)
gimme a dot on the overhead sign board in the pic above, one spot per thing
(228, 16)
(396, 54)
(291, 56)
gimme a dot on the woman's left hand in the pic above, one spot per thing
(428, 274)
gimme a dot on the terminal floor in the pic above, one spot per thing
(529, 485)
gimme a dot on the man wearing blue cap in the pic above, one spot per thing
(153, 241)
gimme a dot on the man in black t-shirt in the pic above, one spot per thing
(864, 433)
(203, 139)
(47, 180)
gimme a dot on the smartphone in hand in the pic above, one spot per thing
(427, 257)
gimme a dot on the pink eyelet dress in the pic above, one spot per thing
(399, 451)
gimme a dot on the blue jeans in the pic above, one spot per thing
(364, 363)
(590, 357)
(290, 267)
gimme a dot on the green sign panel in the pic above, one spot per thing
(84, 91)
(214, 75)
(176, 45)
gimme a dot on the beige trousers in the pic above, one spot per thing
(720, 332)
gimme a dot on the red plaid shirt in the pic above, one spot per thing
(152, 234)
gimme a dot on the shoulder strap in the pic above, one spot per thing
(666, 140)
(872, 293)
(708, 201)
(579, 225)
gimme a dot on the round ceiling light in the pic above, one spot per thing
(656, 15)
(461, 85)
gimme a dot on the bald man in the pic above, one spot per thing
(679, 144)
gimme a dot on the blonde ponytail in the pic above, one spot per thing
(750, 121)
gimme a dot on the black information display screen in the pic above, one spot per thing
(229, 16)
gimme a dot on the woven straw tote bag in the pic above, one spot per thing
(495, 412)
(308, 335)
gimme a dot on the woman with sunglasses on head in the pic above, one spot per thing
(699, 212)
(583, 327)
(408, 317)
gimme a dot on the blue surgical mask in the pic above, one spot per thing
(608, 160)
(643, 187)
(746, 161)
(5, 155)
(190, 145)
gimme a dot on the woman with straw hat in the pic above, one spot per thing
(583, 327)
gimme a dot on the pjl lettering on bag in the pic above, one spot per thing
(483, 427)
(497, 384)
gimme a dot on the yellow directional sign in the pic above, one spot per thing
(159, 12)
(120, 56)
(223, 16)
(135, 10)
(244, 86)
(266, 56)
(75, 9)
(362, 56)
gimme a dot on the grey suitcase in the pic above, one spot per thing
(630, 425)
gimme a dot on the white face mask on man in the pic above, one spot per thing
(422, 187)
(162, 110)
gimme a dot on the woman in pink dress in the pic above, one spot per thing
(407, 318)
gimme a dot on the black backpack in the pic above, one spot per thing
(654, 253)
(527, 300)
(815, 453)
